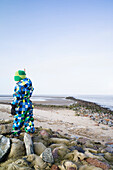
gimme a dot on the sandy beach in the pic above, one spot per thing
(64, 121)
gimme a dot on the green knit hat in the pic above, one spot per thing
(19, 75)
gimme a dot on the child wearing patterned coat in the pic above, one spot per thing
(22, 107)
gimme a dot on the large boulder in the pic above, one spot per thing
(17, 149)
(4, 147)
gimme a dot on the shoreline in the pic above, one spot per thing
(65, 102)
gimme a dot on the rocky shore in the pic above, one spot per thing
(92, 110)
(50, 149)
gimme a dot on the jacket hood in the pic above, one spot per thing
(26, 87)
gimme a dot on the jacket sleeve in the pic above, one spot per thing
(17, 96)
(31, 91)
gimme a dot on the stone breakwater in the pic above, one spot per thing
(49, 150)
(94, 111)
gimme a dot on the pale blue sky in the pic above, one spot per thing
(66, 46)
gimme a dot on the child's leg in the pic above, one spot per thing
(18, 123)
(29, 122)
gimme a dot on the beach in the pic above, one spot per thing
(58, 115)
(69, 134)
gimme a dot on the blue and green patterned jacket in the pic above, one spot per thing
(22, 93)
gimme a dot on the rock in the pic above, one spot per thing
(91, 150)
(55, 167)
(89, 154)
(39, 147)
(44, 134)
(76, 148)
(71, 168)
(4, 147)
(59, 152)
(52, 146)
(5, 129)
(39, 163)
(89, 144)
(82, 140)
(86, 167)
(39, 139)
(47, 155)
(78, 156)
(55, 153)
(59, 140)
(74, 136)
(108, 156)
(98, 163)
(109, 149)
(28, 144)
(20, 164)
(62, 151)
(75, 156)
(104, 128)
(36, 161)
(17, 149)
(68, 165)
(5, 121)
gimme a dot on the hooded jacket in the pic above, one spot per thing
(22, 93)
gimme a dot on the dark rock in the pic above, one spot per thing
(72, 148)
(98, 163)
(55, 167)
(55, 153)
(71, 168)
(4, 147)
(47, 155)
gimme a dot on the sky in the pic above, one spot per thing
(66, 46)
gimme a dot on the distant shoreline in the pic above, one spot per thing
(65, 102)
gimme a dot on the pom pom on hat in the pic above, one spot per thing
(19, 75)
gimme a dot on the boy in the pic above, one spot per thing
(22, 107)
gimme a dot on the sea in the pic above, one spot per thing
(102, 100)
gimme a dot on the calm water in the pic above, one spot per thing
(103, 100)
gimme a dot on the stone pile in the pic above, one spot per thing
(49, 150)
(100, 117)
